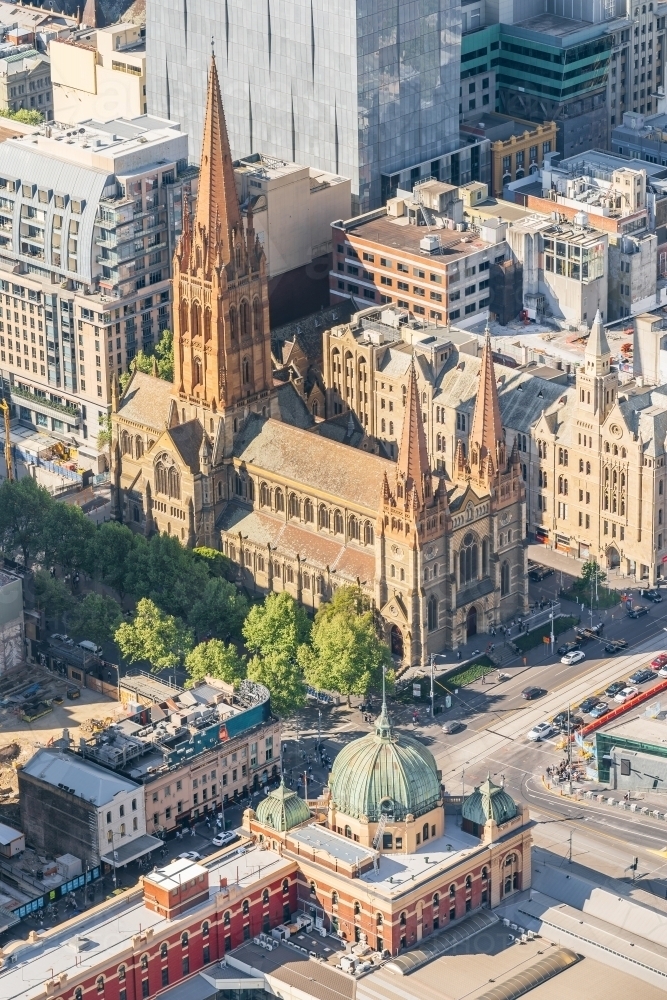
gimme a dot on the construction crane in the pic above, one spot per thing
(4, 406)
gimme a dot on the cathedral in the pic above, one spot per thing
(229, 457)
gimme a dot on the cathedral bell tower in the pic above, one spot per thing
(597, 385)
(222, 353)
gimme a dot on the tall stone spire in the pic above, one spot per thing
(597, 355)
(486, 432)
(218, 209)
(90, 15)
(413, 465)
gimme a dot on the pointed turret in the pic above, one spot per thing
(149, 525)
(413, 466)
(217, 201)
(597, 355)
(192, 535)
(90, 15)
(486, 432)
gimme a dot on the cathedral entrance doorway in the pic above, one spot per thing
(613, 558)
(396, 641)
(471, 622)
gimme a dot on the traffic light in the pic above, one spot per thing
(635, 863)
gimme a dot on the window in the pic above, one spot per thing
(626, 769)
(99, 984)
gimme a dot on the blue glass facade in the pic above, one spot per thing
(361, 87)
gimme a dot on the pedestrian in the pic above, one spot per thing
(458, 654)
(192, 831)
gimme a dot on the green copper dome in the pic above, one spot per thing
(488, 801)
(384, 773)
(282, 809)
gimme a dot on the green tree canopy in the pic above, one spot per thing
(590, 570)
(114, 547)
(345, 653)
(154, 636)
(219, 611)
(24, 507)
(69, 537)
(51, 594)
(216, 562)
(279, 625)
(164, 351)
(96, 617)
(283, 676)
(26, 115)
(167, 573)
(214, 659)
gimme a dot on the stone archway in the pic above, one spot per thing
(613, 558)
(471, 622)
(396, 641)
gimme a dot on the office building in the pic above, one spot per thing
(358, 92)
(518, 147)
(88, 225)
(99, 74)
(25, 82)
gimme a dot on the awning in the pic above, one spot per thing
(124, 853)
(7, 919)
(441, 942)
(196, 988)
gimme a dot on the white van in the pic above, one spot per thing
(90, 647)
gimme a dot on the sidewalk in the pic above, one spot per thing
(562, 563)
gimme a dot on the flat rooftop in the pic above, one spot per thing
(397, 234)
(496, 126)
(110, 928)
(641, 729)
(80, 777)
(554, 25)
(176, 874)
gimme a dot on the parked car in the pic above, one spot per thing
(560, 721)
(640, 676)
(637, 612)
(58, 637)
(73, 693)
(663, 671)
(190, 856)
(600, 709)
(626, 694)
(453, 726)
(576, 656)
(588, 704)
(616, 645)
(532, 692)
(90, 647)
(659, 661)
(614, 688)
(225, 838)
(567, 647)
(538, 573)
(541, 731)
(652, 595)
(583, 631)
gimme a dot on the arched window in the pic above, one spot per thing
(227, 919)
(357, 908)
(348, 832)
(660, 487)
(144, 962)
(197, 372)
(581, 465)
(185, 310)
(246, 907)
(293, 505)
(233, 322)
(353, 527)
(161, 479)
(285, 886)
(207, 323)
(379, 920)
(125, 443)
(323, 517)
(334, 898)
(280, 500)
(265, 897)
(121, 973)
(174, 483)
(195, 314)
(313, 889)
(485, 874)
(264, 496)
(338, 523)
(184, 939)
(504, 579)
(436, 900)
(452, 891)
(588, 468)
(244, 314)
(468, 882)
(205, 928)
(485, 557)
(78, 993)
(369, 534)
(99, 983)
(468, 558)
(138, 446)
(163, 949)
(402, 919)
(432, 613)
(308, 514)
(257, 317)
(425, 831)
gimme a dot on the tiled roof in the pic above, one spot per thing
(327, 467)
(187, 440)
(146, 401)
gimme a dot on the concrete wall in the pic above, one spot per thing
(57, 822)
(646, 771)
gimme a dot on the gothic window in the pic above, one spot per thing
(383, 425)
(660, 488)
(323, 517)
(308, 511)
(280, 500)
(138, 446)
(468, 560)
(161, 479)
(432, 613)
(293, 505)
(196, 372)
(174, 483)
(504, 579)
(246, 371)
(485, 557)
(338, 523)
(184, 316)
(238, 485)
(233, 324)
(196, 320)
(244, 313)
(264, 496)
(353, 527)
(581, 465)
(369, 536)
(606, 447)
(207, 323)
(314, 408)
(238, 256)
(257, 317)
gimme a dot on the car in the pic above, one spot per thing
(626, 694)
(614, 688)
(453, 726)
(663, 671)
(538, 573)
(659, 661)
(637, 612)
(616, 645)
(567, 647)
(600, 709)
(57, 700)
(59, 637)
(190, 856)
(224, 838)
(73, 693)
(640, 676)
(576, 656)
(532, 692)
(561, 721)
(584, 631)
(541, 731)
(588, 704)
(652, 595)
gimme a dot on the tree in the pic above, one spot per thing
(96, 618)
(345, 653)
(114, 546)
(590, 571)
(217, 563)
(283, 676)
(51, 594)
(164, 351)
(154, 636)
(279, 625)
(24, 507)
(214, 659)
(25, 115)
(105, 435)
(68, 538)
(219, 611)
(166, 572)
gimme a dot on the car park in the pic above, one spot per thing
(532, 692)
(614, 688)
(567, 647)
(453, 726)
(588, 704)
(224, 838)
(541, 731)
(659, 661)
(576, 656)
(600, 709)
(626, 694)
(640, 676)
(190, 856)
(638, 611)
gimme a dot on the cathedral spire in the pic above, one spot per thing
(413, 464)
(487, 429)
(217, 201)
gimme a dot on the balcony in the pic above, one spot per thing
(46, 406)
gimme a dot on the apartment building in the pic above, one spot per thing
(518, 147)
(25, 81)
(89, 219)
(99, 74)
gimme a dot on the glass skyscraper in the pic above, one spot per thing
(363, 88)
